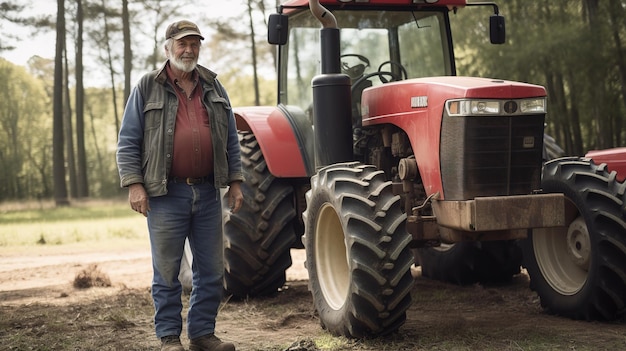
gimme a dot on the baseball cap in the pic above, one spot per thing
(182, 29)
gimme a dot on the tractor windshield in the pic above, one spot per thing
(398, 44)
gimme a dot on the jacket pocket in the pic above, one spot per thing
(153, 113)
(220, 101)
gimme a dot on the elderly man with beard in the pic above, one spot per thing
(177, 147)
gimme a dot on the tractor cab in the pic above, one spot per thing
(376, 47)
(380, 43)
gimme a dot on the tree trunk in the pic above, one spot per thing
(616, 14)
(596, 74)
(68, 129)
(128, 52)
(100, 163)
(107, 43)
(58, 163)
(82, 185)
(577, 139)
(257, 100)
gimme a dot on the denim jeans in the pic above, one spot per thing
(194, 212)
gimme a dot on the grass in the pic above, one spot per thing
(80, 224)
(28, 213)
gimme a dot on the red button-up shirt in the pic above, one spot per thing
(193, 150)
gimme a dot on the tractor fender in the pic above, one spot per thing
(285, 137)
(615, 159)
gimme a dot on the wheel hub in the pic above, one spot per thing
(578, 243)
(563, 255)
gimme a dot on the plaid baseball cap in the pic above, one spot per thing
(182, 29)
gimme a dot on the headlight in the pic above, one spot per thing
(533, 105)
(473, 107)
(484, 107)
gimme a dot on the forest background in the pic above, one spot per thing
(60, 115)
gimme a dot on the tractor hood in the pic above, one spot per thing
(422, 93)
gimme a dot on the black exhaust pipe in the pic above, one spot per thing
(332, 101)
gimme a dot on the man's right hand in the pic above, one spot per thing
(138, 199)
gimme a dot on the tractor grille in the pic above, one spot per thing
(491, 156)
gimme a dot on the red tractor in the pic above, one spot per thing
(378, 158)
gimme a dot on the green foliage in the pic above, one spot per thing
(240, 90)
(574, 52)
(25, 141)
(575, 49)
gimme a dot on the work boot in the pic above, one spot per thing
(210, 342)
(171, 343)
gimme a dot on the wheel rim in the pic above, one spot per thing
(563, 255)
(331, 258)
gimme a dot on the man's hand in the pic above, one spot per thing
(138, 199)
(235, 197)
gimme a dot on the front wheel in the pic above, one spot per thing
(579, 270)
(357, 251)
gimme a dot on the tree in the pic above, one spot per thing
(108, 60)
(162, 12)
(68, 129)
(24, 135)
(82, 186)
(10, 12)
(616, 16)
(568, 47)
(128, 52)
(253, 54)
(60, 188)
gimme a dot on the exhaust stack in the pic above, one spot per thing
(332, 102)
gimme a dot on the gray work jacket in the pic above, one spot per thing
(146, 138)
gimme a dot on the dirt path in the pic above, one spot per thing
(41, 310)
(24, 276)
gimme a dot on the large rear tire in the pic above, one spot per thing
(579, 271)
(357, 251)
(258, 238)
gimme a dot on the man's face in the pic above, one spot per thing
(184, 53)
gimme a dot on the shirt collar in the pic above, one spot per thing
(172, 78)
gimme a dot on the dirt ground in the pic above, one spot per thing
(40, 309)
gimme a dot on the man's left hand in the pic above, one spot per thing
(235, 197)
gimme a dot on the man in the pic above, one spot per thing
(177, 146)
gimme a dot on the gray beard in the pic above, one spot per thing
(185, 67)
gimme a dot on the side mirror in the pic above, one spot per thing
(277, 28)
(497, 32)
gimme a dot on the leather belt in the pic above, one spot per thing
(192, 181)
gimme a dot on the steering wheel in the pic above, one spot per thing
(380, 74)
(355, 71)
(395, 77)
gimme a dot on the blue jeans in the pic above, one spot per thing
(194, 212)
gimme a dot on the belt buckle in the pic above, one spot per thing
(190, 181)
